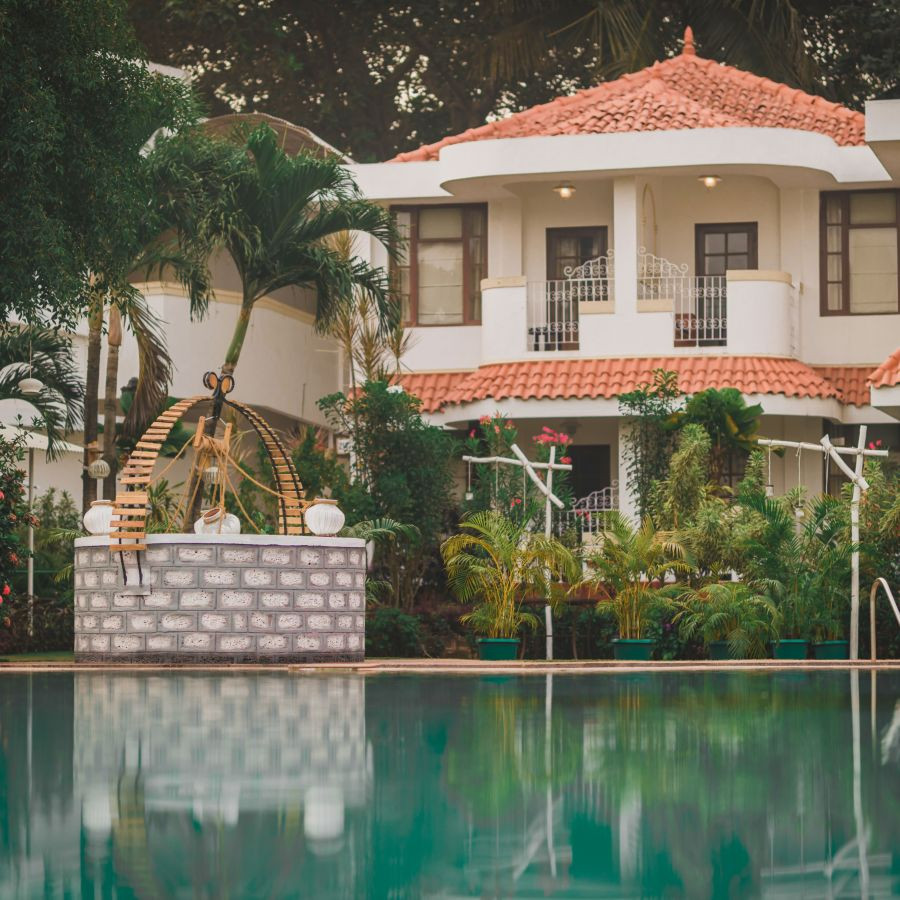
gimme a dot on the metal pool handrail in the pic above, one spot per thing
(893, 602)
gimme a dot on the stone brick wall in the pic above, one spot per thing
(221, 599)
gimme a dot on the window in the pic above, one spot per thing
(568, 248)
(859, 252)
(444, 257)
(723, 247)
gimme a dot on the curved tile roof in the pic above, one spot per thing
(684, 92)
(888, 373)
(594, 378)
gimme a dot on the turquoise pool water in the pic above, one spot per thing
(281, 785)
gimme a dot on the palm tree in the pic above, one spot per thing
(629, 566)
(278, 220)
(47, 354)
(170, 240)
(498, 563)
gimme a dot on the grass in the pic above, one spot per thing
(45, 656)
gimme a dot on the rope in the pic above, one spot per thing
(237, 500)
(171, 463)
(250, 478)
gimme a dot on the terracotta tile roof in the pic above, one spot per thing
(683, 92)
(593, 378)
(852, 382)
(888, 373)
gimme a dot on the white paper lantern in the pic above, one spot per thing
(31, 387)
(99, 468)
(324, 518)
(98, 519)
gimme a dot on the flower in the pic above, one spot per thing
(2, 495)
(5, 590)
(563, 438)
(496, 429)
(485, 420)
(472, 433)
(509, 424)
(566, 460)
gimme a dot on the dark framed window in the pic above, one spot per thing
(443, 259)
(859, 243)
(568, 248)
(724, 246)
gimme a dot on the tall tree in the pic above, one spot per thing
(376, 79)
(79, 103)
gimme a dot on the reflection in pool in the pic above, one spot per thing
(282, 785)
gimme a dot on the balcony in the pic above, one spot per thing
(664, 311)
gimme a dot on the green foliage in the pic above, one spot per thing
(320, 471)
(496, 563)
(79, 104)
(471, 61)
(728, 611)
(47, 355)
(393, 633)
(650, 440)
(506, 488)
(13, 514)
(677, 499)
(730, 423)
(402, 472)
(629, 568)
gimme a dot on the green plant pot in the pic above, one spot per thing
(719, 650)
(498, 648)
(631, 649)
(832, 650)
(790, 648)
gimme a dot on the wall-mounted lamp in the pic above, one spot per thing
(565, 190)
(709, 181)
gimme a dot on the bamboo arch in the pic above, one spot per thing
(131, 506)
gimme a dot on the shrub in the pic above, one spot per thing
(392, 632)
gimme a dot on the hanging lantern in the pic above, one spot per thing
(770, 490)
(99, 468)
(210, 475)
(324, 518)
(31, 387)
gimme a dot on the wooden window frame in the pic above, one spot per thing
(413, 258)
(845, 227)
(574, 231)
(704, 228)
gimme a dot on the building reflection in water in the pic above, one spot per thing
(278, 785)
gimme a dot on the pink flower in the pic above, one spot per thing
(485, 420)
(510, 424)
(5, 590)
(548, 430)
(472, 433)
(566, 460)
(564, 438)
(497, 429)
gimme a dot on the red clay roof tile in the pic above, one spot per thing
(683, 92)
(888, 373)
(593, 378)
(850, 381)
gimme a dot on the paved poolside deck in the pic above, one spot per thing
(472, 667)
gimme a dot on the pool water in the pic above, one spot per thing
(283, 785)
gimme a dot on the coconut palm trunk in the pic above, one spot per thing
(91, 395)
(111, 401)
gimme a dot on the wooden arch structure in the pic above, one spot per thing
(129, 524)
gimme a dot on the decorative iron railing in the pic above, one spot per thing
(589, 514)
(699, 303)
(554, 306)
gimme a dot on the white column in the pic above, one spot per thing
(505, 238)
(625, 242)
(627, 496)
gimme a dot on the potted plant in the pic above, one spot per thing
(495, 563)
(630, 568)
(732, 619)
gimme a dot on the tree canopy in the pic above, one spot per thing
(79, 103)
(377, 79)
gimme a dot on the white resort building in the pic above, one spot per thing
(690, 216)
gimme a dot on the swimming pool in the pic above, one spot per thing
(286, 785)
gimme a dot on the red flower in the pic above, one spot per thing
(496, 429)
(472, 433)
(485, 420)
(510, 424)
(5, 590)
(13, 559)
(566, 460)
(2, 495)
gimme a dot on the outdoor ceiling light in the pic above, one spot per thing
(565, 190)
(709, 181)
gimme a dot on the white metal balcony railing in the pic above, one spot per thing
(588, 515)
(554, 307)
(698, 303)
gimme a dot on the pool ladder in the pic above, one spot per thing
(879, 582)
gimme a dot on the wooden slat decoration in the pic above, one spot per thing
(130, 510)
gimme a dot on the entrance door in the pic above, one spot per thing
(567, 248)
(590, 468)
(719, 247)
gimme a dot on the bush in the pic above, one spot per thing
(391, 632)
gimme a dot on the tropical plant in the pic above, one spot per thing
(650, 438)
(728, 611)
(731, 424)
(47, 355)
(402, 472)
(497, 563)
(13, 513)
(630, 567)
